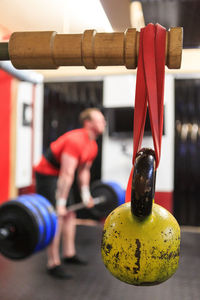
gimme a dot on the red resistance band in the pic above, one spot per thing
(149, 89)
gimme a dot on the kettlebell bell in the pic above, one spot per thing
(141, 240)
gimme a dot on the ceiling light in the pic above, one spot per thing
(88, 14)
(136, 15)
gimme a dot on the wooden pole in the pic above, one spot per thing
(49, 50)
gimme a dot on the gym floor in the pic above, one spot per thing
(27, 279)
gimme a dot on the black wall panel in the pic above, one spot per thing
(187, 152)
(63, 103)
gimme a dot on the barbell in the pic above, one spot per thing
(28, 223)
(49, 50)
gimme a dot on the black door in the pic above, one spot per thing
(187, 152)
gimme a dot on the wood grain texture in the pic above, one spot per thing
(49, 50)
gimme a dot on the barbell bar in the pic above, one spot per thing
(50, 50)
(81, 205)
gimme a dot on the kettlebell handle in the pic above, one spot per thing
(143, 183)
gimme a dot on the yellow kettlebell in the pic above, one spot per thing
(141, 240)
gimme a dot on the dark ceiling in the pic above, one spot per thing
(168, 13)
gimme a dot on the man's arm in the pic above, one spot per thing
(84, 184)
(65, 180)
(84, 174)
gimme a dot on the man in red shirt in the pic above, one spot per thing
(71, 153)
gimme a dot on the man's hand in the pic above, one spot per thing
(86, 196)
(90, 203)
(61, 211)
(61, 207)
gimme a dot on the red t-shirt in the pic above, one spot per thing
(75, 143)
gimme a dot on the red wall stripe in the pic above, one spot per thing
(5, 108)
(165, 199)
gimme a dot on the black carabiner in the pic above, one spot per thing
(143, 183)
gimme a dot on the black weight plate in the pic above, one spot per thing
(102, 210)
(24, 241)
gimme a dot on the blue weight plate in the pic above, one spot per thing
(24, 199)
(46, 217)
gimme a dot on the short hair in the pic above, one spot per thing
(86, 114)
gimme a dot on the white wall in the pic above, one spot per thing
(24, 137)
(38, 122)
(165, 171)
(119, 91)
(27, 150)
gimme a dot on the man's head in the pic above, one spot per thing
(93, 120)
